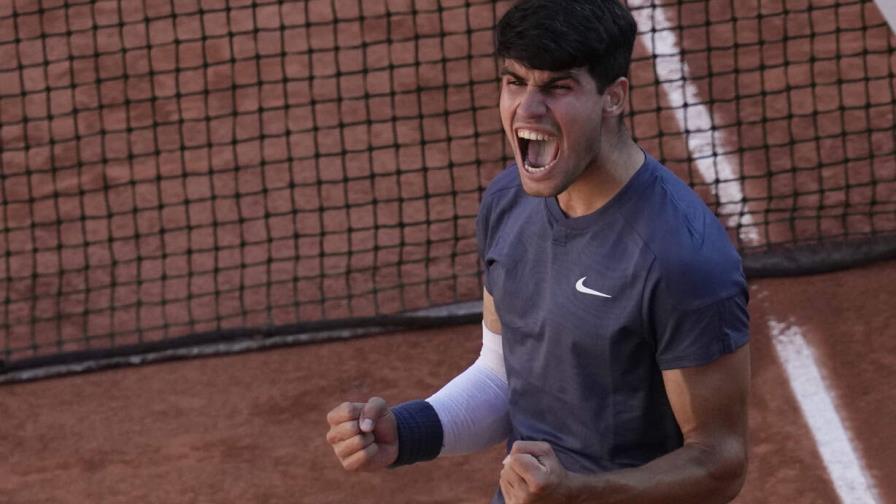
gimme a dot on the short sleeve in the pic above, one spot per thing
(482, 239)
(483, 228)
(694, 336)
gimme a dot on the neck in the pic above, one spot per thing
(603, 178)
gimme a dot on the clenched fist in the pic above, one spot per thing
(532, 474)
(363, 436)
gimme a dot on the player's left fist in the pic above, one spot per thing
(533, 474)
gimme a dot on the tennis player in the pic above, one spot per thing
(615, 356)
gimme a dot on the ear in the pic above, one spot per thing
(616, 97)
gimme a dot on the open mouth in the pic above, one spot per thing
(539, 151)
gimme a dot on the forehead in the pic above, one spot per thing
(517, 68)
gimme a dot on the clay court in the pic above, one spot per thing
(230, 173)
(250, 427)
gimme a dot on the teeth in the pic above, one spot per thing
(532, 135)
(534, 169)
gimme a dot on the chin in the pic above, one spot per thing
(533, 186)
(541, 190)
(536, 192)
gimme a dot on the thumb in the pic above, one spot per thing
(534, 448)
(372, 411)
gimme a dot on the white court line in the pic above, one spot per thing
(888, 9)
(844, 466)
(847, 471)
(693, 117)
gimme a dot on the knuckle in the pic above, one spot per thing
(339, 433)
(340, 451)
(336, 415)
(348, 447)
(374, 405)
(349, 428)
(355, 462)
(356, 443)
(354, 454)
(338, 456)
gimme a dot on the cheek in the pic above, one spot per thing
(505, 108)
(583, 131)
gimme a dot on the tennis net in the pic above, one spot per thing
(175, 173)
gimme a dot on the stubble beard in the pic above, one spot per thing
(575, 175)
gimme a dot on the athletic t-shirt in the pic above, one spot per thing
(593, 308)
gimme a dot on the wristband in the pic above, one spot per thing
(419, 432)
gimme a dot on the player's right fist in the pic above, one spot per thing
(364, 436)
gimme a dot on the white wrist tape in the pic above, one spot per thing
(473, 406)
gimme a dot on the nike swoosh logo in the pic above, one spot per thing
(580, 286)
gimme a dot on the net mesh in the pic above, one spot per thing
(203, 168)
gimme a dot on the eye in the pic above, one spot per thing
(513, 82)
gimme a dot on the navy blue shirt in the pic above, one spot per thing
(593, 308)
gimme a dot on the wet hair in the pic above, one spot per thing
(556, 35)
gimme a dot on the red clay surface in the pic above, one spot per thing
(250, 427)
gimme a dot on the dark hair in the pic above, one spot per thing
(559, 35)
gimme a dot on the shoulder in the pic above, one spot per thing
(501, 194)
(504, 185)
(505, 209)
(695, 262)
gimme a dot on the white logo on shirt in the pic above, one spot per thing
(580, 286)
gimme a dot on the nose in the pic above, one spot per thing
(532, 104)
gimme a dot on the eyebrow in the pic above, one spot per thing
(563, 75)
(506, 71)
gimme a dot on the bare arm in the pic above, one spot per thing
(710, 405)
(489, 313)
